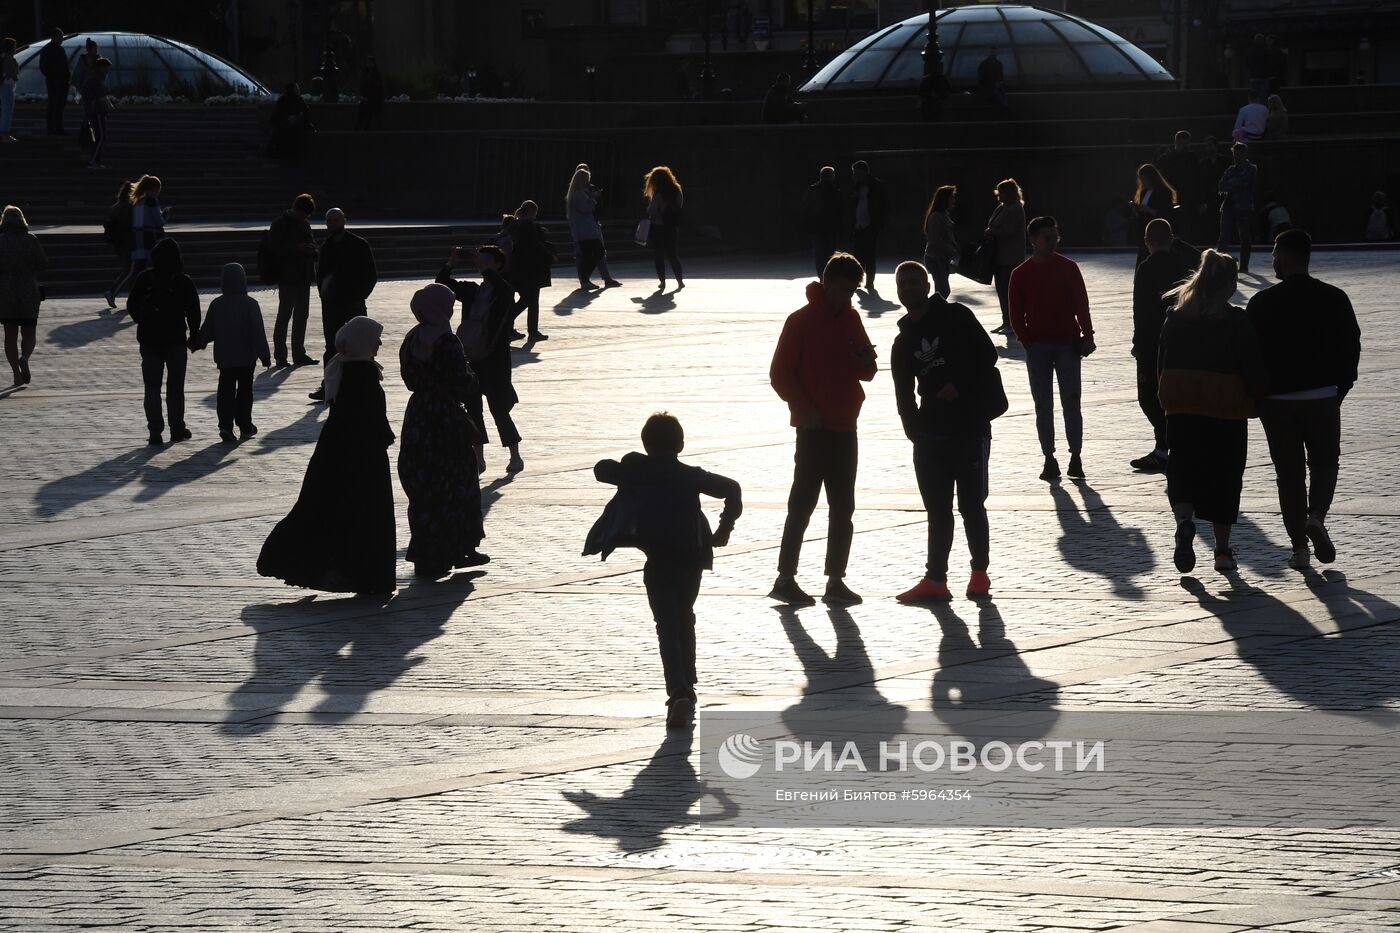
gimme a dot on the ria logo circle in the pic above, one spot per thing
(740, 756)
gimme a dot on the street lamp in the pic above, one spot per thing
(809, 64)
(707, 69)
(933, 88)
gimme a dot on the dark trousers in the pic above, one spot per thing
(672, 588)
(1147, 395)
(1305, 440)
(168, 363)
(823, 458)
(529, 302)
(293, 307)
(99, 134)
(588, 253)
(1235, 221)
(494, 386)
(942, 464)
(663, 242)
(1001, 276)
(234, 403)
(864, 247)
(334, 316)
(58, 99)
(823, 245)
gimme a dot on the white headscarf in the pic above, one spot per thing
(357, 340)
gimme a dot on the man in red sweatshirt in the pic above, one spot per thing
(1049, 309)
(822, 358)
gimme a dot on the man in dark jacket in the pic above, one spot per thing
(991, 79)
(870, 208)
(1178, 166)
(345, 276)
(487, 309)
(294, 247)
(1170, 260)
(165, 306)
(778, 105)
(1236, 189)
(53, 64)
(662, 514)
(822, 207)
(1312, 346)
(945, 352)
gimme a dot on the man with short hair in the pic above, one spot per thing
(870, 207)
(1252, 120)
(294, 246)
(1170, 260)
(53, 65)
(822, 358)
(1178, 166)
(822, 207)
(943, 351)
(1236, 189)
(345, 277)
(1049, 309)
(1312, 347)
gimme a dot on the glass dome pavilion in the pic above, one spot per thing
(143, 65)
(1039, 49)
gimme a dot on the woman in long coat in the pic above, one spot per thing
(22, 261)
(340, 534)
(437, 466)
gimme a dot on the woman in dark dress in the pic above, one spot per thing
(1154, 197)
(436, 464)
(340, 534)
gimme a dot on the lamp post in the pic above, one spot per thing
(707, 69)
(933, 88)
(809, 64)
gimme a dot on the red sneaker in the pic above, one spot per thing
(979, 585)
(926, 591)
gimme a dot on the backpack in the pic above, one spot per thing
(1378, 225)
(268, 269)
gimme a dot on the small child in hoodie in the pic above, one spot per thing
(234, 326)
(657, 509)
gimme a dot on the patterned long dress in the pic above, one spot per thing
(437, 465)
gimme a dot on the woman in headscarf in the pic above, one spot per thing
(340, 534)
(436, 464)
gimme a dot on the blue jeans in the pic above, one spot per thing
(1047, 363)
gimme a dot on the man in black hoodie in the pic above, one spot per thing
(294, 246)
(945, 352)
(1312, 347)
(165, 306)
(345, 276)
(657, 509)
(1170, 260)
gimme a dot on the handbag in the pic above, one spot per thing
(643, 231)
(978, 261)
(994, 400)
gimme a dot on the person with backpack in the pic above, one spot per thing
(665, 200)
(528, 264)
(234, 325)
(943, 351)
(487, 308)
(657, 509)
(116, 230)
(291, 252)
(435, 468)
(165, 306)
(345, 277)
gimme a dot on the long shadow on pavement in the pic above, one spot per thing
(132, 466)
(660, 798)
(81, 333)
(1092, 541)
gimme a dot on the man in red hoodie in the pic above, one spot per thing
(1049, 309)
(822, 358)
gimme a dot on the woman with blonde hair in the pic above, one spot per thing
(1007, 227)
(147, 221)
(1210, 377)
(22, 261)
(580, 202)
(665, 198)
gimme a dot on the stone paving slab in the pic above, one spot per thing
(190, 746)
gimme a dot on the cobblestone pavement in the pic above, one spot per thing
(189, 746)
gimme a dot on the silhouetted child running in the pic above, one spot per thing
(657, 509)
(234, 326)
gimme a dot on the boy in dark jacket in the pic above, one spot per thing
(943, 350)
(657, 509)
(165, 306)
(234, 325)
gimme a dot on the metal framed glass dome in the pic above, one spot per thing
(1038, 49)
(144, 65)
